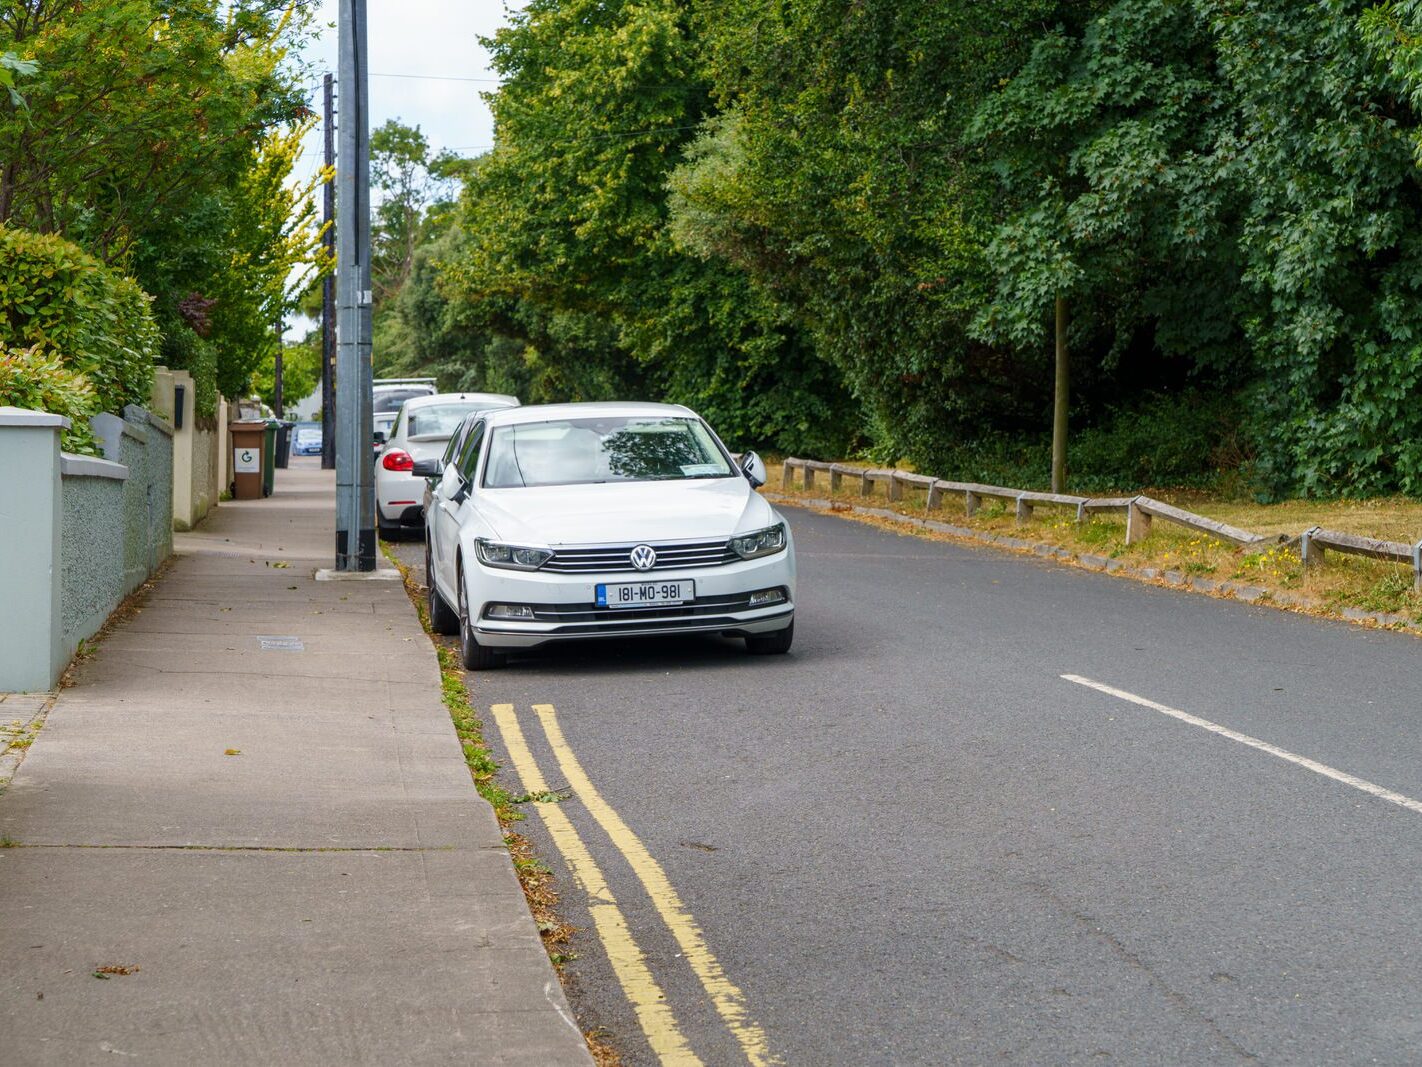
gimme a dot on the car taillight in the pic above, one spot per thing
(397, 460)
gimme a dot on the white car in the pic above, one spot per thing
(572, 521)
(421, 430)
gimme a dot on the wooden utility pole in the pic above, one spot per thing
(328, 295)
(278, 404)
(1059, 408)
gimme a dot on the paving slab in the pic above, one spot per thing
(270, 957)
(252, 799)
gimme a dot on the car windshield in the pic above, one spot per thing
(635, 448)
(438, 420)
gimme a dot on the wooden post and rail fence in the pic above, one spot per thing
(1140, 512)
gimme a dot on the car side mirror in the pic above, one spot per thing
(427, 468)
(753, 467)
(451, 484)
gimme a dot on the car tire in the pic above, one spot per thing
(389, 534)
(476, 657)
(775, 643)
(444, 620)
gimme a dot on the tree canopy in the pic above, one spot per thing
(843, 225)
(160, 137)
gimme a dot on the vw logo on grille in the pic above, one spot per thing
(644, 557)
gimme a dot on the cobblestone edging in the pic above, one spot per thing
(1252, 594)
(21, 716)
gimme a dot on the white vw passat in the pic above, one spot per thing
(571, 521)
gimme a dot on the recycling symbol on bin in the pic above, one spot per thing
(248, 456)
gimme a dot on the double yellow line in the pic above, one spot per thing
(628, 963)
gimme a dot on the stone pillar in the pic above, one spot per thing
(31, 516)
(224, 450)
(185, 498)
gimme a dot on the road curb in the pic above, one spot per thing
(1171, 579)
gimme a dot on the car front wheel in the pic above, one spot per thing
(443, 619)
(774, 643)
(476, 657)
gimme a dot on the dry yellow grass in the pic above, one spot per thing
(1342, 581)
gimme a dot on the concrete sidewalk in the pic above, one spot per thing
(333, 892)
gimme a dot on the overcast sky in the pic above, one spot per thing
(427, 69)
(419, 50)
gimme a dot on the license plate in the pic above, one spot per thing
(642, 594)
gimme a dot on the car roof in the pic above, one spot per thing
(597, 410)
(473, 398)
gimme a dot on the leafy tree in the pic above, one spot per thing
(415, 189)
(1215, 201)
(1331, 242)
(155, 137)
(847, 223)
(301, 372)
(414, 210)
(568, 234)
(12, 68)
(838, 177)
(126, 122)
(1104, 147)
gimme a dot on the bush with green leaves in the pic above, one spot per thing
(96, 321)
(37, 379)
(1159, 441)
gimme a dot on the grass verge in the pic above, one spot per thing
(533, 874)
(1341, 583)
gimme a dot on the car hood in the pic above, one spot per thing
(625, 512)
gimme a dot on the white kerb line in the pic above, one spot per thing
(1254, 742)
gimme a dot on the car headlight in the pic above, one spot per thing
(515, 557)
(765, 542)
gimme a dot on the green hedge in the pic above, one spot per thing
(68, 306)
(1159, 442)
(38, 380)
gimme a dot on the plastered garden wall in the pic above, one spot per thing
(80, 533)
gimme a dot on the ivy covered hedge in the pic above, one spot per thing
(73, 333)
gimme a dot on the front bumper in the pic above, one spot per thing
(565, 607)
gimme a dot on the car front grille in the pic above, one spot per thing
(605, 559)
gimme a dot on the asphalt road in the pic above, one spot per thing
(912, 841)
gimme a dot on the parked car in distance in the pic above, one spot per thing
(387, 394)
(572, 521)
(306, 439)
(421, 430)
(383, 422)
